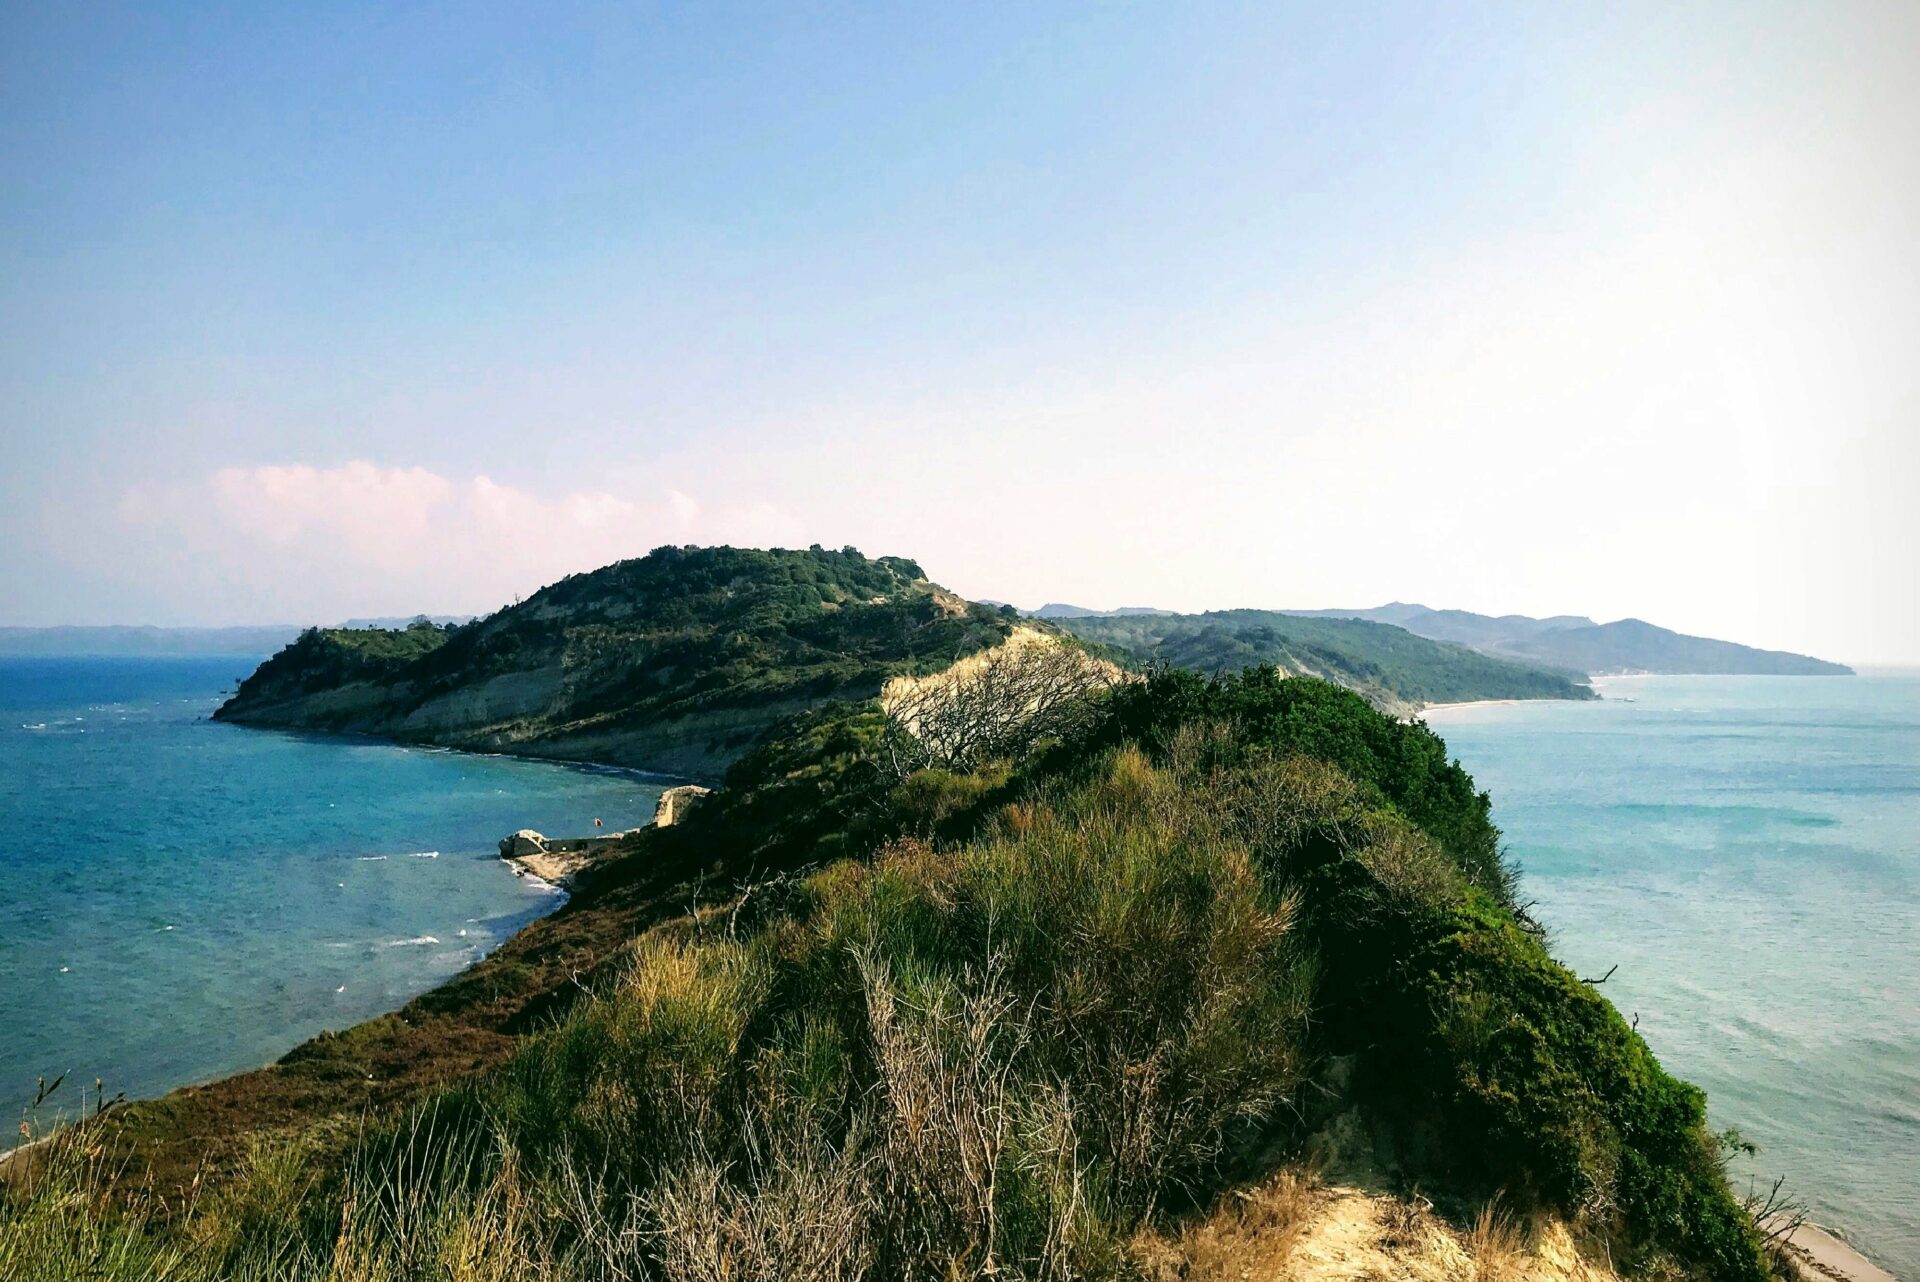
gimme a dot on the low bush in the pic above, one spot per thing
(1544, 1089)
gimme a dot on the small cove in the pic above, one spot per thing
(184, 899)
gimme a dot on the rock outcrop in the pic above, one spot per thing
(522, 844)
(677, 803)
(557, 860)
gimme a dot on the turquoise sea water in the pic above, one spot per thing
(181, 899)
(1747, 851)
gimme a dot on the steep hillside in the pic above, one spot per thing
(1085, 1010)
(674, 661)
(1396, 670)
(1579, 644)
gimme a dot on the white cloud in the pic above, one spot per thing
(299, 542)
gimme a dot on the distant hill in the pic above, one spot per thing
(138, 641)
(1631, 645)
(675, 661)
(1579, 644)
(1462, 627)
(1055, 610)
(1395, 669)
(408, 620)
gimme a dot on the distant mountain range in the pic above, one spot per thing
(1567, 642)
(1055, 610)
(143, 641)
(1578, 644)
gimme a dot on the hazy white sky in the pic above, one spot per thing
(1607, 310)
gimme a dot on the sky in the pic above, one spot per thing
(318, 311)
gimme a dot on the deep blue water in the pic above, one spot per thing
(181, 899)
(1747, 851)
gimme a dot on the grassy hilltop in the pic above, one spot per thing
(1021, 971)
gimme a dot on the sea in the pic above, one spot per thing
(1739, 859)
(181, 899)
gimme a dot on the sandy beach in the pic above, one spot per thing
(1823, 1257)
(1471, 703)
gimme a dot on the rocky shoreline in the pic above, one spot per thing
(559, 861)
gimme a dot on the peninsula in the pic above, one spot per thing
(985, 951)
(679, 660)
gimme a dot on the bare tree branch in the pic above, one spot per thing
(996, 705)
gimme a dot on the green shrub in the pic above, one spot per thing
(1563, 1079)
(1400, 764)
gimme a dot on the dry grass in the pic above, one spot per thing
(1291, 1228)
(1499, 1247)
(1252, 1234)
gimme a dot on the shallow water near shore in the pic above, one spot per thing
(1746, 850)
(182, 899)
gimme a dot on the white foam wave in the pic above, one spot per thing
(424, 854)
(414, 942)
(368, 859)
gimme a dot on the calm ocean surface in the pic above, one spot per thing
(1747, 851)
(180, 899)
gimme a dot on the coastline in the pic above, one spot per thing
(1477, 703)
(1603, 804)
(556, 872)
(1824, 1256)
(666, 777)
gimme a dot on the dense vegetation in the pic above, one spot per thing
(674, 661)
(326, 658)
(995, 1022)
(1392, 667)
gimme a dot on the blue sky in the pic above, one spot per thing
(316, 311)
